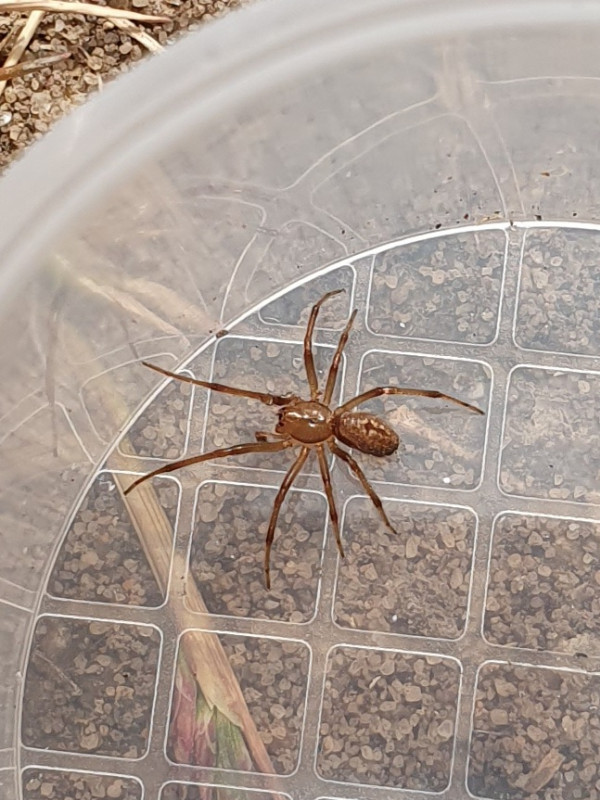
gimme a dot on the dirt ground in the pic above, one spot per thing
(99, 49)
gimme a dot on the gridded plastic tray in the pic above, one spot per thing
(458, 657)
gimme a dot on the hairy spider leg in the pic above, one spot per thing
(290, 477)
(375, 499)
(309, 363)
(336, 360)
(234, 450)
(381, 390)
(263, 397)
(333, 515)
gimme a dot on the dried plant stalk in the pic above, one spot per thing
(203, 652)
(204, 655)
(147, 41)
(169, 303)
(11, 35)
(138, 297)
(75, 7)
(24, 36)
(127, 303)
(201, 734)
(37, 8)
(7, 73)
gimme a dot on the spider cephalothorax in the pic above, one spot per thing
(312, 425)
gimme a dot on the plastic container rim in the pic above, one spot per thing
(47, 191)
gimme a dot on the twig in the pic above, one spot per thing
(130, 305)
(147, 41)
(11, 35)
(122, 18)
(75, 7)
(203, 650)
(45, 665)
(22, 42)
(8, 73)
(168, 303)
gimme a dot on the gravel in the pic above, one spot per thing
(440, 443)
(191, 791)
(559, 293)
(228, 545)
(161, 431)
(45, 784)
(388, 719)
(536, 734)
(452, 295)
(551, 437)
(99, 53)
(101, 559)
(414, 582)
(90, 687)
(543, 588)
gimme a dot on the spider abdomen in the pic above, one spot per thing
(367, 433)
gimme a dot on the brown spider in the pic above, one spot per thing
(311, 424)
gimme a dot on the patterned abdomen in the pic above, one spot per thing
(367, 433)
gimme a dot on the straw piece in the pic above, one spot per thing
(24, 36)
(8, 73)
(75, 7)
(202, 650)
(127, 303)
(167, 302)
(12, 33)
(147, 41)
(124, 297)
(199, 734)
(37, 9)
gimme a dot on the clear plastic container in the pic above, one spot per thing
(440, 163)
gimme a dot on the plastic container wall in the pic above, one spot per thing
(441, 165)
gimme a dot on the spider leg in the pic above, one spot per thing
(290, 477)
(309, 363)
(234, 450)
(337, 357)
(333, 515)
(381, 390)
(264, 397)
(376, 500)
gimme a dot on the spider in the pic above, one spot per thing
(311, 425)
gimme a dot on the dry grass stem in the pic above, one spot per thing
(129, 304)
(147, 41)
(203, 650)
(7, 41)
(68, 7)
(23, 38)
(7, 73)
(37, 8)
(168, 303)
